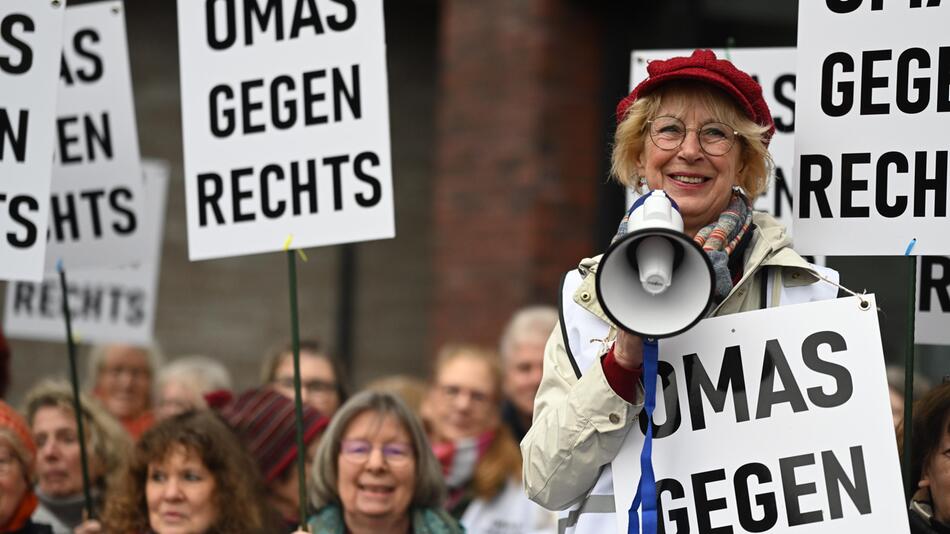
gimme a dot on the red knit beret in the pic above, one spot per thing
(704, 66)
(264, 420)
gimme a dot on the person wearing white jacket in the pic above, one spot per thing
(697, 128)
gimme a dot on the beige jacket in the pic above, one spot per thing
(580, 424)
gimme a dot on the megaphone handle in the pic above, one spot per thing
(646, 487)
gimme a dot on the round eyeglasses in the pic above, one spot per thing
(715, 138)
(358, 451)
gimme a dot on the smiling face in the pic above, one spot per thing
(179, 492)
(58, 464)
(699, 183)
(377, 470)
(124, 381)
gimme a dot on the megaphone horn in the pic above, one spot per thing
(655, 281)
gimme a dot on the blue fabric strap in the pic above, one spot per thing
(645, 496)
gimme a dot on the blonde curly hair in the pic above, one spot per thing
(633, 133)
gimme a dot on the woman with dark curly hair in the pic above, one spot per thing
(189, 474)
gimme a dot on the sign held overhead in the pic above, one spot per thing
(285, 120)
(114, 305)
(97, 205)
(31, 35)
(873, 112)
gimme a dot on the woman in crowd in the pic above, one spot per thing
(480, 459)
(522, 352)
(375, 474)
(189, 474)
(265, 422)
(122, 378)
(322, 381)
(182, 384)
(49, 410)
(17, 453)
(930, 462)
(697, 128)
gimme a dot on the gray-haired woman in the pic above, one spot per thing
(375, 472)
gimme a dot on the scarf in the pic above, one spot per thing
(329, 520)
(67, 510)
(718, 239)
(22, 514)
(459, 459)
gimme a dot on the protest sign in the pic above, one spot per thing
(96, 204)
(31, 33)
(770, 420)
(933, 301)
(873, 109)
(285, 119)
(774, 69)
(114, 305)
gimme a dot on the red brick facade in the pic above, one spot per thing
(518, 153)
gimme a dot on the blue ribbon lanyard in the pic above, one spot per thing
(646, 487)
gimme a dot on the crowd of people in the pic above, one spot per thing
(171, 448)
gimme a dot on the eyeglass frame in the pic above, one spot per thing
(312, 387)
(452, 392)
(116, 371)
(356, 460)
(730, 128)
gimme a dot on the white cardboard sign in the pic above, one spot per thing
(873, 112)
(96, 206)
(771, 420)
(933, 300)
(115, 305)
(285, 119)
(774, 68)
(31, 33)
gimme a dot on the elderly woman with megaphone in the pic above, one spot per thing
(698, 128)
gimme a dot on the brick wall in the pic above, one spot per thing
(519, 152)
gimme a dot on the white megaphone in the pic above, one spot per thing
(655, 281)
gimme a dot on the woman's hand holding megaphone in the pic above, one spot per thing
(628, 350)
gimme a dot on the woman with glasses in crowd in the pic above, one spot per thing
(375, 474)
(322, 380)
(697, 128)
(480, 459)
(122, 379)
